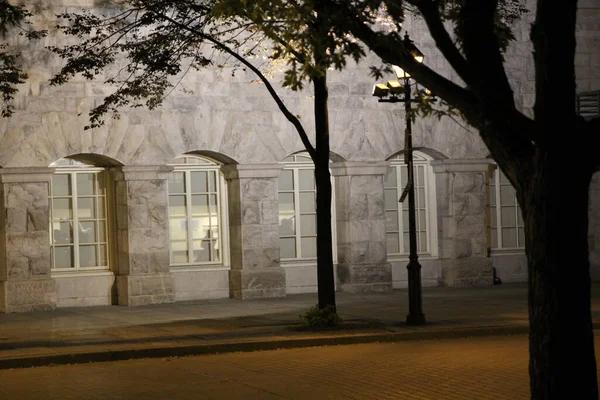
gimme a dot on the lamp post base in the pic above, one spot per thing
(415, 319)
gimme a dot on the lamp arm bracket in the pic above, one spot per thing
(407, 189)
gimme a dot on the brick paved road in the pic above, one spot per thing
(475, 368)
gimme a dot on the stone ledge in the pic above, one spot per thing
(237, 171)
(353, 168)
(462, 165)
(26, 174)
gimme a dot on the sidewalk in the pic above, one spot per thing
(77, 335)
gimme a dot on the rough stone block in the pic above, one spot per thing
(135, 290)
(364, 277)
(257, 284)
(474, 271)
(27, 295)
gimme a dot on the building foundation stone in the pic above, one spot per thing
(25, 282)
(462, 191)
(360, 217)
(256, 271)
(143, 275)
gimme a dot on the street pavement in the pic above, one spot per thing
(79, 335)
(493, 367)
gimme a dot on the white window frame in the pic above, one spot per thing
(190, 164)
(420, 160)
(297, 162)
(497, 181)
(73, 168)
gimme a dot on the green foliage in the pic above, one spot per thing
(10, 72)
(316, 318)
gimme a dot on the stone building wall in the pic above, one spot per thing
(225, 115)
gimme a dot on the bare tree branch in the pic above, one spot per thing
(483, 54)
(286, 112)
(442, 38)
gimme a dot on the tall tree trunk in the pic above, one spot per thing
(562, 359)
(326, 285)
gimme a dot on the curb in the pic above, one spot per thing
(258, 345)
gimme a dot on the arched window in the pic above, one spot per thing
(507, 231)
(297, 209)
(78, 217)
(425, 206)
(197, 216)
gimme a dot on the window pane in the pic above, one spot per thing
(63, 257)
(200, 204)
(507, 195)
(391, 199)
(504, 179)
(87, 256)
(101, 183)
(85, 207)
(287, 247)
(520, 217)
(102, 232)
(308, 224)
(177, 205)
(201, 251)
(390, 178)
(420, 175)
(422, 220)
(521, 237)
(201, 229)
(178, 228)
(61, 185)
(62, 232)
(199, 182)
(403, 175)
(392, 243)
(211, 181)
(422, 238)
(405, 220)
(286, 226)
(307, 202)
(406, 243)
(308, 247)
(101, 210)
(102, 255)
(509, 237)
(176, 182)
(391, 221)
(85, 184)
(492, 195)
(61, 209)
(420, 192)
(509, 217)
(87, 232)
(286, 180)
(179, 253)
(286, 202)
(307, 179)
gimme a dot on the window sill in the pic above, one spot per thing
(198, 267)
(80, 273)
(507, 252)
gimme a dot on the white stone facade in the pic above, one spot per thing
(227, 118)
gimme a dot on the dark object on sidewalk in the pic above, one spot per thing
(497, 280)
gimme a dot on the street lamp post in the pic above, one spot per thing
(395, 89)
